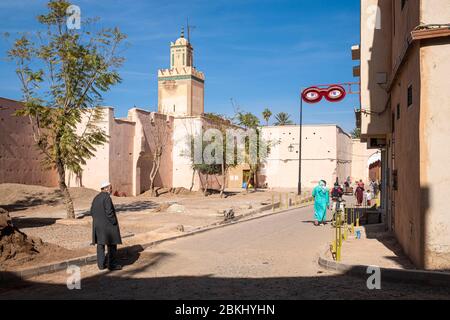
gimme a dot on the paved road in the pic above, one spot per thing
(270, 258)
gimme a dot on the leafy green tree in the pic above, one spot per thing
(267, 114)
(203, 169)
(222, 123)
(219, 165)
(283, 119)
(249, 121)
(63, 73)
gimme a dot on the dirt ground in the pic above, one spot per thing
(39, 212)
(19, 251)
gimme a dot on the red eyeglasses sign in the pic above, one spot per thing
(334, 93)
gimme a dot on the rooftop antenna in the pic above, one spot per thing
(189, 28)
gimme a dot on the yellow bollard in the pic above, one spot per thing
(281, 202)
(357, 216)
(287, 201)
(338, 237)
(273, 202)
(353, 220)
(336, 241)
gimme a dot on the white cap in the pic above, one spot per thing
(105, 184)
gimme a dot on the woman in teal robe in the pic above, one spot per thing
(321, 202)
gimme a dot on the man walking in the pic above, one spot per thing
(105, 228)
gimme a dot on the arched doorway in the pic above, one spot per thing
(143, 168)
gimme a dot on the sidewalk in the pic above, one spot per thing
(375, 248)
(380, 249)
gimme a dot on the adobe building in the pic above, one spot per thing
(126, 159)
(405, 107)
(181, 88)
(328, 153)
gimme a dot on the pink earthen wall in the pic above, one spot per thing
(20, 160)
(149, 126)
(121, 156)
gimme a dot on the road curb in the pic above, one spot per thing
(11, 276)
(429, 278)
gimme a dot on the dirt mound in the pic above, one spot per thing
(83, 194)
(184, 191)
(17, 196)
(169, 192)
(15, 245)
(19, 251)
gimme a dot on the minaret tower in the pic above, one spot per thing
(181, 88)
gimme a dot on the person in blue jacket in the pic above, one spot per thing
(321, 202)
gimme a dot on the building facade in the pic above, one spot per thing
(328, 153)
(126, 160)
(404, 69)
(181, 87)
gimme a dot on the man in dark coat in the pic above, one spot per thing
(105, 228)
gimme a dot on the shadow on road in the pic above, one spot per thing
(135, 206)
(25, 223)
(129, 284)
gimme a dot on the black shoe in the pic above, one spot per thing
(115, 267)
(101, 268)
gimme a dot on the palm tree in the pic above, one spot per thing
(267, 114)
(356, 133)
(283, 119)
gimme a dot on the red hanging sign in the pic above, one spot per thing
(334, 93)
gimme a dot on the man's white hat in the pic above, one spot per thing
(105, 184)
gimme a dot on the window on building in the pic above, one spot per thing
(398, 111)
(410, 96)
(404, 3)
(393, 123)
(173, 59)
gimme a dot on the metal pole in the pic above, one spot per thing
(300, 146)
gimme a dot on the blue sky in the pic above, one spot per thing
(257, 52)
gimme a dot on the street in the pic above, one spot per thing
(269, 258)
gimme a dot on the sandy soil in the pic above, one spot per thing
(18, 197)
(19, 251)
